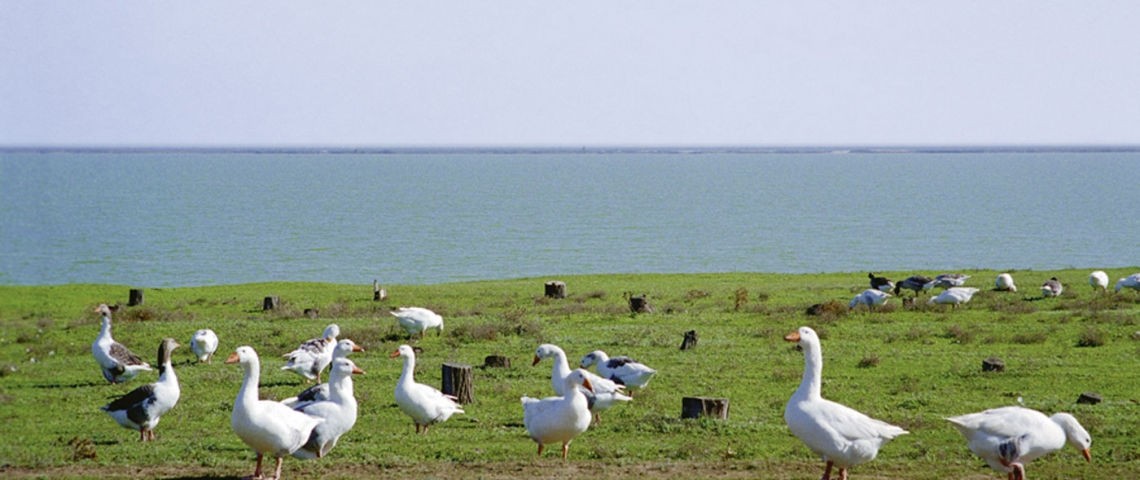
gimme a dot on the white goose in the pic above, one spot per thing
(842, 436)
(143, 407)
(424, 404)
(1052, 288)
(204, 343)
(1131, 281)
(268, 427)
(559, 419)
(417, 320)
(1099, 279)
(604, 394)
(320, 391)
(117, 362)
(339, 411)
(621, 369)
(954, 296)
(870, 297)
(314, 355)
(1009, 437)
(1004, 282)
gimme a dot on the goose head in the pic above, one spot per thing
(346, 346)
(332, 331)
(165, 348)
(804, 336)
(404, 351)
(1075, 434)
(546, 350)
(346, 367)
(578, 377)
(595, 357)
(245, 355)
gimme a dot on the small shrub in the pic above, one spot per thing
(1030, 338)
(1091, 338)
(869, 361)
(696, 294)
(740, 298)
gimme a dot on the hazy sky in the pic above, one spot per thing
(470, 73)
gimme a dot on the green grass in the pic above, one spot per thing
(909, 365)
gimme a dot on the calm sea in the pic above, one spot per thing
(187, 219)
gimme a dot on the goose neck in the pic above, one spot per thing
(813, 373)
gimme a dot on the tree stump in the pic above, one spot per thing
(993, 364)
(639, 305)
(496, 361)
(690, 340)
(459, 381)
(312, 312)
(697, 407)
(1090, 398)
(555, 289)
(378, 294)
(135, 297)
(270, 303)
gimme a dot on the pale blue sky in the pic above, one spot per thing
(481, 73)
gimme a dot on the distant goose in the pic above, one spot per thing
(143, 407)
(954, 296)
(947, 280)
(1004, 282)
(1052, 288)
(1099, 279)
(913, 282)
(1009, 437)
(870, 298)
(339, 411)
(559, 419)
(425, 404)
(605, 394)
(320, 391)
(314, 355)
(621, 369)
(204, 343)
(117, 362)
(1131, 281)
(418, 320)
(881, 283)
(268, 427)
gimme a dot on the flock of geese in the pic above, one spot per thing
(310, 424)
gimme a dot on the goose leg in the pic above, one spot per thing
(827, 471)
(142, 434)
(540, 449)
(277, 471)
(257, 470)
(842, 474)
(565, 449)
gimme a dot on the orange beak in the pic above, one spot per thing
(536, 360)
(1088, 456)
(394, 354)
(586, 383)
(233, 358)
(357, 348)
(357, 371)
(792, 337)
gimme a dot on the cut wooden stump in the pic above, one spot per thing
(270, 303)
(1090, 398)
(459, 381)
(496, 361)
(135, 297)
(993, 364)
(690, 340)
(697, 407)
(378, 294)
(555, 289)
(312, 312)
(639, 304)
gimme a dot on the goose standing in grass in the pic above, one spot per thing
(117, 362)
(1009, 437)
(320, 391)
(417, 320)
(915, 283)
(954, 296)
(339, 411)
(204, 343)
(268, 427)
(314, 355)
(1099, 279)
(621, 369)
(561, 418)
(883, 284)
(870, 297)
(1052, 288)
(947, 280)
(1131, 281)
(843, 436)
(143, 407)
(424, 404)
(1004, 282)
(605, 393)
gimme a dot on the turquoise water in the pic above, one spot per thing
(185, 219)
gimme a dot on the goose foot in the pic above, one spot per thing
(826, 472)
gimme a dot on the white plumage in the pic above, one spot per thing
(1004, 282)
(1131, 281)
(870, 297)
(621, 369)
(842, 436)
(117, 362)
(268, 427)
(320, 391)
(1009, 437)
(605, 394)
(954, 296)
(339, 411)
(1052, 288)
(417, 320)
(143, 407)
(424, 404)
(561, 418)
(1099, 279)
(313, 355)
(204, 343)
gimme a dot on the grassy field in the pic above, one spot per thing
(910, 365)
